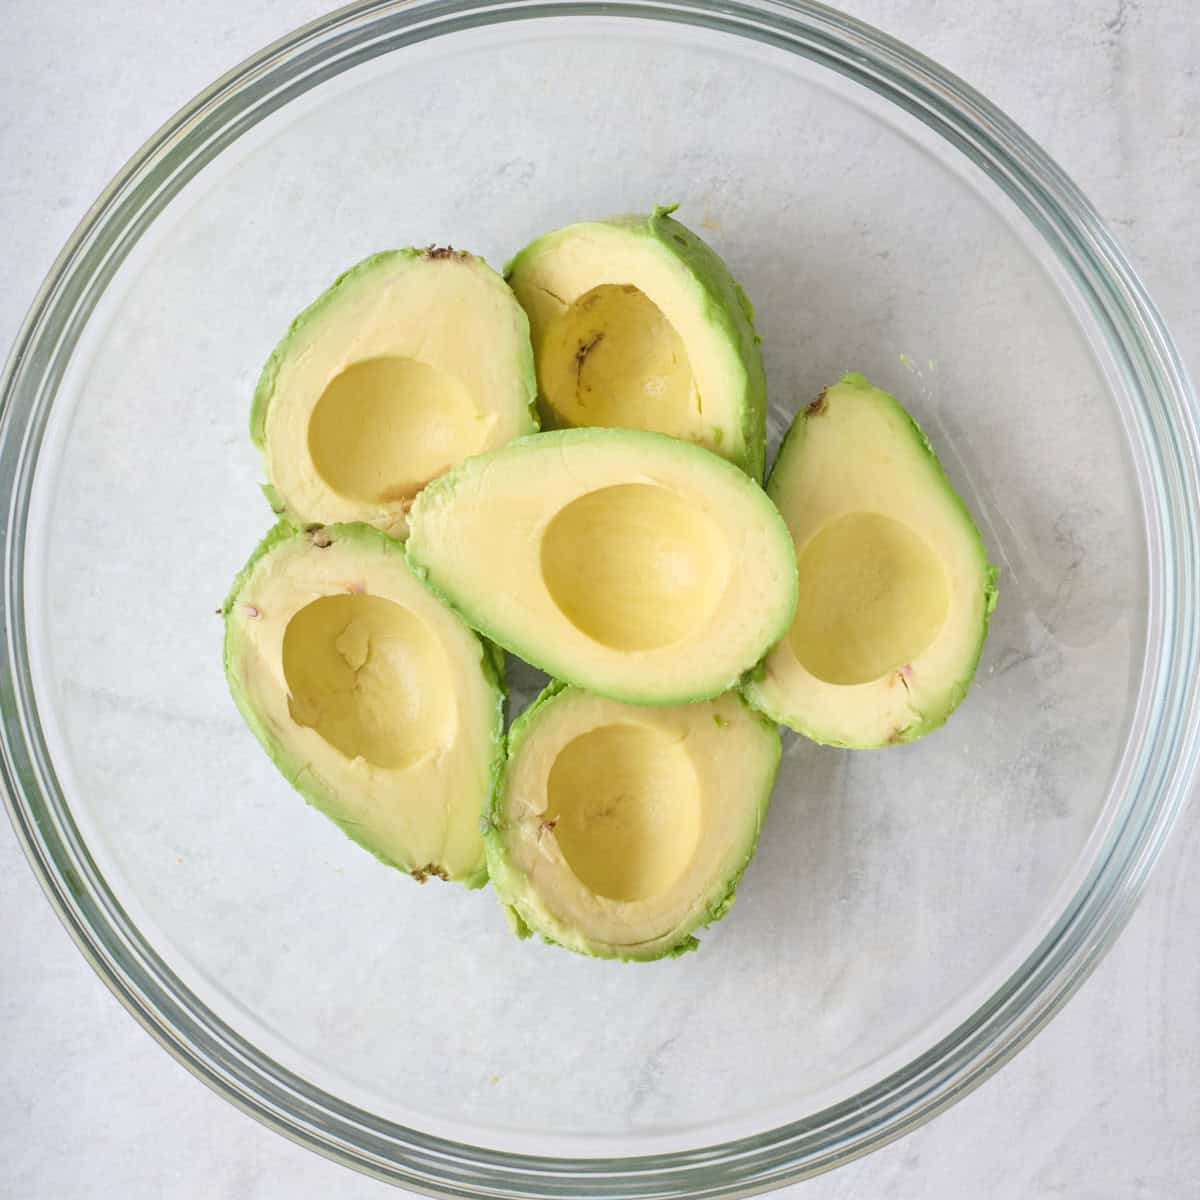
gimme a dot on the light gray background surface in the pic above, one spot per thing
(1105, 1105)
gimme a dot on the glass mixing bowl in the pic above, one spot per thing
(915, 914)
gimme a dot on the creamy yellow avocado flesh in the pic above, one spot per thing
(616, 830)
(411, 362)
(630, 563)
(636, 323)
(372, 697)
(895, 587)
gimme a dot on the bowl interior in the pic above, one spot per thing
(891, 890)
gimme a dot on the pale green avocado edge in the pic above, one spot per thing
(937, 715)
(491, 663)
(360, 273)
(508, 882)
(558, 669)
(724, 302)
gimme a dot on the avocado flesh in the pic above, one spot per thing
(895, 586)
(616, 830)
(637, 323)
(375, 701)
(633, 564)
(412, 361)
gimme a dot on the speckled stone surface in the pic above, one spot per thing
(1102, 1105)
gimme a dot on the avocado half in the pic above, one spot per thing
(637, 323)
(375, 701)
(412, 361)
(615, 831)
(629, 563)
(895, 586)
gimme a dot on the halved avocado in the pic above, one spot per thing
(615, 831)
(632, 564)
(375, 701)
(895, 586)
(412, 361)
(637, 323)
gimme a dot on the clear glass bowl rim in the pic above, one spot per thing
(1160, 765)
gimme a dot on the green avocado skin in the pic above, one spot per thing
(295, 772)
(510, 884)
(935, 715)
(351, 278)
(726, 308)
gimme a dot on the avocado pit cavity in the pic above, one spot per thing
(369, 676)
(384, 427)
(873, 596)
(624, 806)
(612, 358)
(633, 567)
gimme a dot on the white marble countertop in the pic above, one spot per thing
(1103, 1104)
